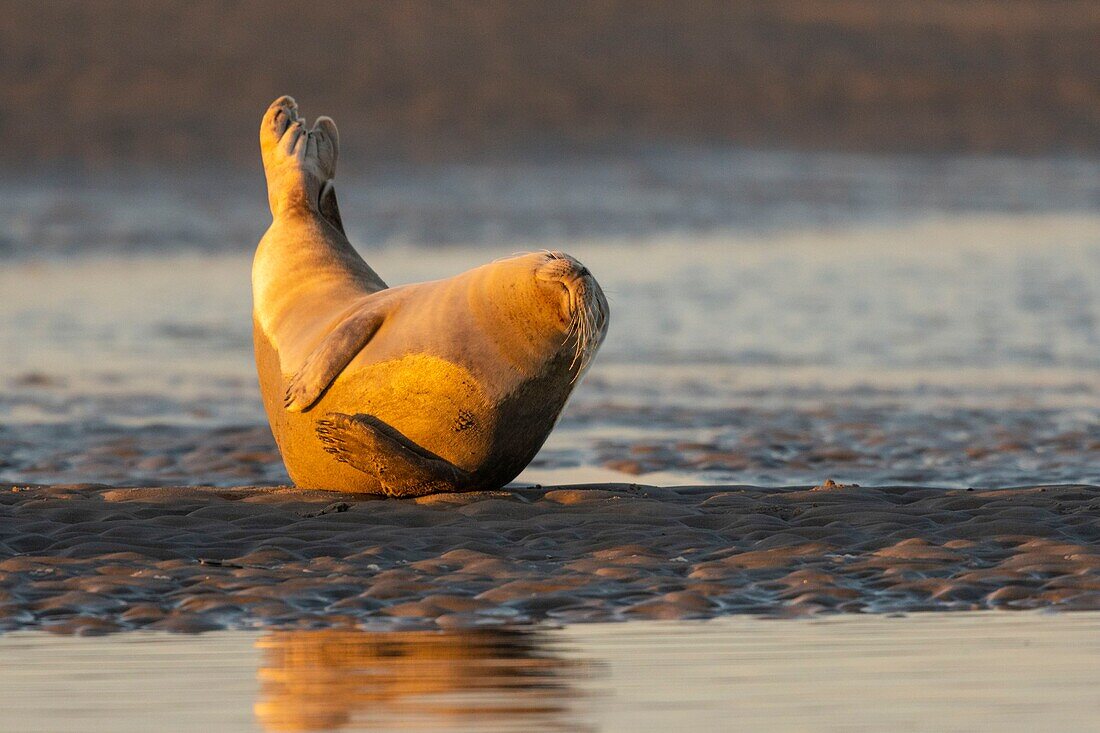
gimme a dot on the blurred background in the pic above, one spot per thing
(497, 121)
(842, 238)
(161, 83)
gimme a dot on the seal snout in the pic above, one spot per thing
(573, 277)
(562, 268)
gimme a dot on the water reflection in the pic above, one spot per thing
(486, 680)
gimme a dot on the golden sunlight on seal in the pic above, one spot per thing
(450, 385)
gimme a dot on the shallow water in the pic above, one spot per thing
(956, 672)
(954, 349)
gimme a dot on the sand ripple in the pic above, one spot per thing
(95, 559)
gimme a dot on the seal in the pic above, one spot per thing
(450, 385)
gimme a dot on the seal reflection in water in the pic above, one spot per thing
(414, 680)
(450, 385)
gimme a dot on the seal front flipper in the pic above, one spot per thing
(330, 357)
(401, 466)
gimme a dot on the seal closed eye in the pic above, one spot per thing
(449, 385)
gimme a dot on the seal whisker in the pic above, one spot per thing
(575, 329)
(580, 317)
(590, 327)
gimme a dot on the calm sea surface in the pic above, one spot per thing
(942, 672)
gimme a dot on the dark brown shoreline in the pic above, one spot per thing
(186, 83)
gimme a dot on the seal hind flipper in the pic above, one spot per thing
(335, 352)
(328, 208)
(299, 162)
(327, 140)
(402, 467)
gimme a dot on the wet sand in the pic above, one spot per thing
(94, 559)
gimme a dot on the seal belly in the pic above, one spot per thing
(434, 403)
(308, 465)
